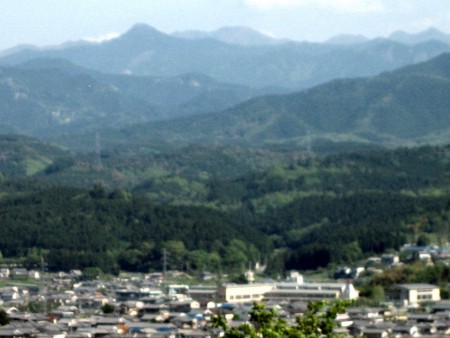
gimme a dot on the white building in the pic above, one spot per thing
(242, 293)
(311, 291)
(417, 293)
(292, 290)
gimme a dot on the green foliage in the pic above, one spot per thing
(44, 306)
(314, 212)
(108, 308)
(438, 274)
(377, 294)
(318, 321)
(24, 156)
(423, 240)
(90, 229)
(91, 273)
(4, 318)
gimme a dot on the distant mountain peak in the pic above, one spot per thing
(240, 35)
(346, 39)
(238, 29)
(426, 35)
(142, 31)
(243, 35)
(142, 27)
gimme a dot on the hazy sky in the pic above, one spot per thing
(49, 22)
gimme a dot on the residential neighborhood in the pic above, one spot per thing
(61, 305)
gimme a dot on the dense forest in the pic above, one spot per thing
(75, 228)
(288, 209)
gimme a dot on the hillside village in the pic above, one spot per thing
(61, 305)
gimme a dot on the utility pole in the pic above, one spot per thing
(164, 268)
(44, 287)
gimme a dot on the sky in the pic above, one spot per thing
(52, 22)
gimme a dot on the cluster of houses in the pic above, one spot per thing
(143, 306)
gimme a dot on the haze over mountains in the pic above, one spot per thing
(47, 96)
(144, 50)
(234, 35)
(78, 88)
(408, 105)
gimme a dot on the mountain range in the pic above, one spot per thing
(63, 95)
(48, 96)
(143, 50)
(405, 107)
(397, 36)
(427, 35)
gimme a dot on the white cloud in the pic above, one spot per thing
(102, 37)
(360, 6)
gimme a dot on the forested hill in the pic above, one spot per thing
(405, 107)
(307, 213)
(74, 228)
(22, 156)
(43, 97)
(42, 101)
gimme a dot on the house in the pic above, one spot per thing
(9, 293)
(203, 293)
(153, 309)
(415, 293)
(374, 332)
(19, 273)
(406, 330)
(183, 305)
(34, 274)
(187, 333)
(372, 314)
(390, 259)
(4, 273)
(442, 306)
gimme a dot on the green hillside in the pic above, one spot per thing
(73, 228)
(44, 97)
(293, 210)
(22, 156)
(406, 107)
(48, 101)
(185, 170)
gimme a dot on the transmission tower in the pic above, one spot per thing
(98, 156)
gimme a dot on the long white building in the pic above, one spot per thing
(293, 290)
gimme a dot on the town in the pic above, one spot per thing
(67, 304)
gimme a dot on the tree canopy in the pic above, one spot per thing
(317, 321)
